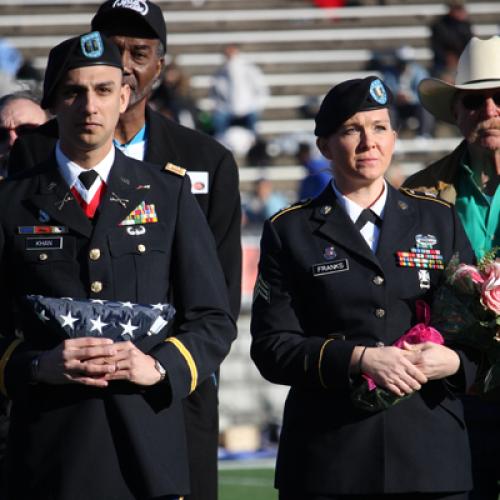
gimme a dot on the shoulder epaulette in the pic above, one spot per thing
(424, 196)
(295, 206)
(170, 167)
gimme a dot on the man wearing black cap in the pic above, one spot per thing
(138, 28)
(98, 415)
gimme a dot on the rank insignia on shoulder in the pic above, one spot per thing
(170, 167)
(262, 289)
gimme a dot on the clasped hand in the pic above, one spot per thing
(403, 371)
(96, 361)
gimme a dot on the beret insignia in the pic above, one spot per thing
(92, 46)
(377, 91)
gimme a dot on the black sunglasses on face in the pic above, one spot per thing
(475, 101)
(19, 130)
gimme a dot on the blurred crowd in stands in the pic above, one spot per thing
(238, 94)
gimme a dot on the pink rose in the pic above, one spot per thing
(490, 291)
(467, 278)
(465, 271)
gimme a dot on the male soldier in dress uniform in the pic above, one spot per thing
(93, 418)
(138, 28)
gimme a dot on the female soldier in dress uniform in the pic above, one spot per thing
(338, 282)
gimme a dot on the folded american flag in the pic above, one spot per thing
(101, 318)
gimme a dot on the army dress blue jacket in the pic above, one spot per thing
(123, 442)
(320, 292)
(219, 200)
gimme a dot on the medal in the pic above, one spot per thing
(423, 255)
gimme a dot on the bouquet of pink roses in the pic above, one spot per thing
(466, 310)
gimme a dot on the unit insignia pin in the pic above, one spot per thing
(43, 216)
(329, 253)
(402, 205)
(326, 209)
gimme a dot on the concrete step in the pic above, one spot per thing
(300, 39)
(286, 82)
(46, 6)
(286, 61)
(254, 19)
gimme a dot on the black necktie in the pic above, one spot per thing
(365, 216)
(87, 178)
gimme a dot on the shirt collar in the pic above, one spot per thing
(469, 176)
(139, 137)
(71, 170)
(354, 210)
(135, 148)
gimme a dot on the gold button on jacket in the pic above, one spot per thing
(96, 286)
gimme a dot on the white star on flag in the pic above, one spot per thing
(68, 320)
(98, 325)
(128, 304)
(97, 301)
(128, 329)
(157, 306)
(42, 315)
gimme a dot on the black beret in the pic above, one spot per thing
(348, 98)
(90, 49)
(135, 18)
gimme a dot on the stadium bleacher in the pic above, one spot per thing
(302, 50)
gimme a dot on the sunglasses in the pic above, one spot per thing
(473, 102)
(19, 130)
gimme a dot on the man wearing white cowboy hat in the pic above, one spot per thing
(468, 177)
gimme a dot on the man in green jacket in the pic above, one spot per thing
(468, 177)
